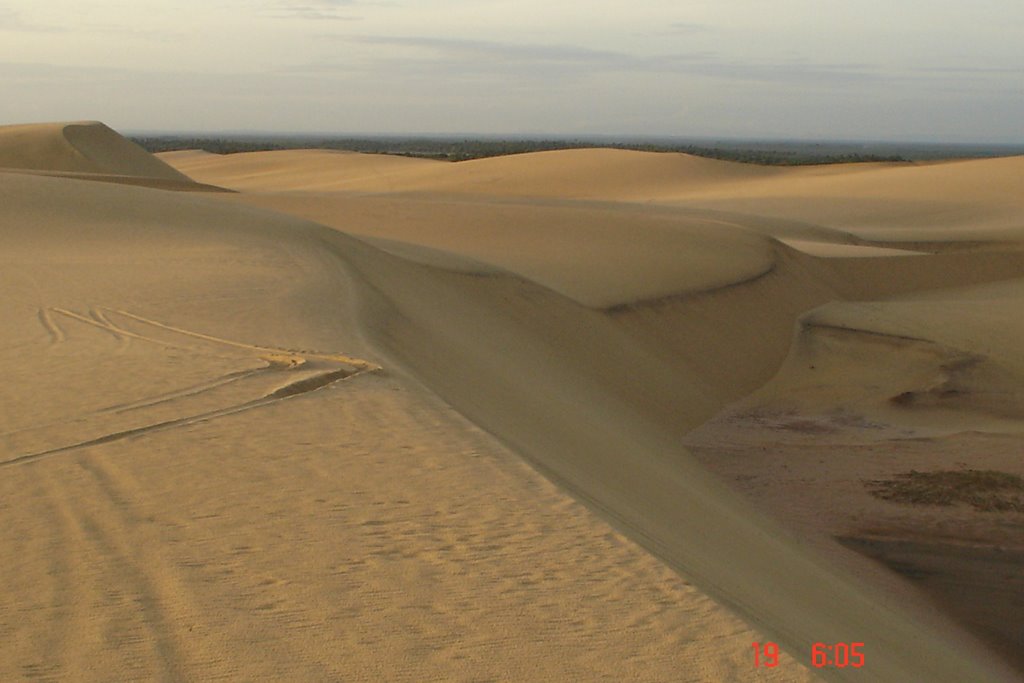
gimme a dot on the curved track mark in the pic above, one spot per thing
(56, 334)
(336, 357)
(275, 360)
(99, 317)
(115, 330)
(186, 392)
(297, 388)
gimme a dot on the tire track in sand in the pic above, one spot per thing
(141, 598)
(98, 315)
(51, 326)
(73, 589)
(150, 401)
(319, 355)
(292, 390)
(328, 369)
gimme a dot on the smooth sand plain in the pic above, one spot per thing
(372, 418)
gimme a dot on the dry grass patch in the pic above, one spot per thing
(986, 490)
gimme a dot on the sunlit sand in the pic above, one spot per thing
(578, 415)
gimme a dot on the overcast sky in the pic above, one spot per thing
(931, 70)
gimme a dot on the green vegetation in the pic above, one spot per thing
(986, 490)
(464, 149)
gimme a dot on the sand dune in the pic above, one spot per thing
(190, 515)
(954, 357)
(576, 250)
(955, 201)
(87, 147)
(929, 382)
(578, 173)
(283, 433)
(309, 169)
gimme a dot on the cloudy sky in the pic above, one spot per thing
(930, 70)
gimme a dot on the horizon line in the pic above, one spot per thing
(573, 137)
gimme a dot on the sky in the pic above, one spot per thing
(899, 70)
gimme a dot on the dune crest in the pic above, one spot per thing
(579, 173)
(86, 147)
(283, 433)
(295, 169)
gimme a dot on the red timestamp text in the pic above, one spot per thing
(838, 655)
(766, 655)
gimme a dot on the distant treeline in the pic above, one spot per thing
(465, 149)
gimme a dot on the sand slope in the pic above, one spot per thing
(240, 454)
(87, 147)
(929, 382)
(599, 435)
(576, 250)
(703, 333)
(310, 169)
(944, 201)
(954, 201)
(180, 505)
(578, 173)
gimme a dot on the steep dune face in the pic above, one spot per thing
(214, 436)
(88, 147)
(577, 250)
(195, 492)
(488, 343)
(649, 363)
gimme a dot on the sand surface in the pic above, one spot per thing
(543, 417)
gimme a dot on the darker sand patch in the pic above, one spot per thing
(985, 490)
(982, 587)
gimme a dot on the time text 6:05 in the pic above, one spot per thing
(838, 655)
